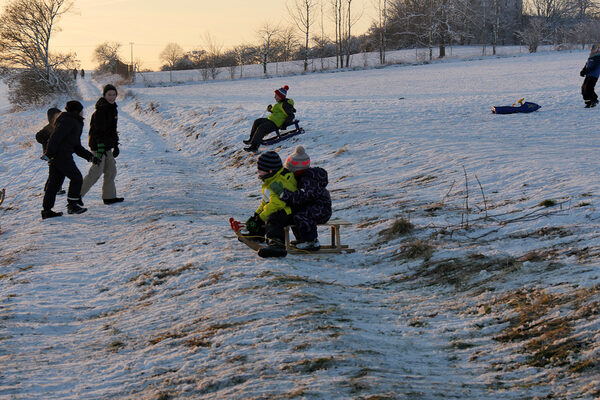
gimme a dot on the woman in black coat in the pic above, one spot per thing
(64, 141)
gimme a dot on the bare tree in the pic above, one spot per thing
(534, 33)
(381, 24)
(170, 55)
(266, 35)
(26, 28)
(243, 53)
(288, 43)
(107, 55)
(303, 15)
(213, 54)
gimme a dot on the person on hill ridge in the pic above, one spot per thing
(64, 141)
(282, 114)
(591, 72)
(272, 215)
(43, 135)
(311, 203)
(104, 142)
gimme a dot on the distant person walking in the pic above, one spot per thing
(591, 72)
(75, 73)
(82, 73)
(64, 141)
(104, 142)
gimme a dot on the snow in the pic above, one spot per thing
(154, 297)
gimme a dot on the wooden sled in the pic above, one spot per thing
(279, 136)
(335, 246)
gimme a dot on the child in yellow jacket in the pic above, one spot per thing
(273, 214)
(282, 114)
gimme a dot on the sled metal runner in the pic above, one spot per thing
(279, 136)
(335, 246)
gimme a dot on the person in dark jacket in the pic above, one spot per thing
(311, 203)
(282, 114)
(64, 141)
(104, 142)
(44, 134)
(591, 72)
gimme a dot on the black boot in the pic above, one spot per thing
(115, 200)
(252, 148)
(50, 214)
(74, 206)
(276, 248)
(247, 141)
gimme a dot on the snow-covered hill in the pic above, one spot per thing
(476, 272)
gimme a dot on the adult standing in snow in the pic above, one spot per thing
(64, 141)
(591, 72)
(311, 203)
(82, 73)
(44, 134)
(75, 73)
(282, 114)
(273, 215)
(104, 142)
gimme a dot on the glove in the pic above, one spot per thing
(100, 150)
(269, 108)
(45, 158)
(583, 72)
(95, 160)
(276, 187)
(116, 152)
(254, 223)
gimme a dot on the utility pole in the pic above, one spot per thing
(132, 67)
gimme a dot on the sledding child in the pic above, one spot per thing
(64, 141)
(273, 215)
(311, 203)
(104, 142)
(282, 114)
(43, 136)
(591, 71)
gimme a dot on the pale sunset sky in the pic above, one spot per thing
(151, 24)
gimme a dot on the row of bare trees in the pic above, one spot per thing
(429, 23)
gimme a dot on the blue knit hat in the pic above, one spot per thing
(282, 91)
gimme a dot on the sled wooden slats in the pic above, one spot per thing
(335, 245)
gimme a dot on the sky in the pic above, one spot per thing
(151, 24)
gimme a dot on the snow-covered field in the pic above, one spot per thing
(492, 294)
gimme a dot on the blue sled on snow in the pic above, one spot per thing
(518, 107)
(279, 136)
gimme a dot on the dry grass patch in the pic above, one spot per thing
(546, 324)
(400, 227)
(310, 365)
(459, 272)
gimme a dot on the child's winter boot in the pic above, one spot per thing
(50, 214)
(74, 206)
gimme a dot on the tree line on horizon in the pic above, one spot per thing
(319, 29)
(399, 24)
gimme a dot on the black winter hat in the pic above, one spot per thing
(52, 112)
(74, 106)
(107, 88)
(269, 161)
